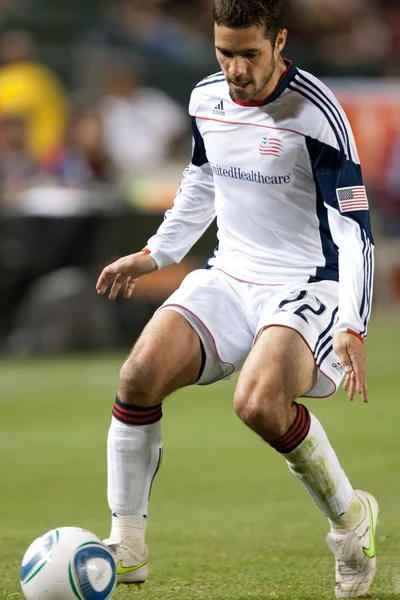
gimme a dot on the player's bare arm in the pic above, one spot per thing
(122, 274)
(350, 350)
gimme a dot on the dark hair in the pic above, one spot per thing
(237, 14)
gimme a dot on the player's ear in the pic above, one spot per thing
(281, 40)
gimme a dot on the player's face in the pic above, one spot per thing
(248, 60)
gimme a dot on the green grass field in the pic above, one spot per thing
(227, 520)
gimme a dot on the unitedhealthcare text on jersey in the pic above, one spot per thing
(254, 176)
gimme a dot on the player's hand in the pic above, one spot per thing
(350, 350)
(122, 274)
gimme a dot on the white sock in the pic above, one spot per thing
(315, 463)
(130, 529)
(351, 518)
(134, 455)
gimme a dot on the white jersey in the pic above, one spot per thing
(284, 181)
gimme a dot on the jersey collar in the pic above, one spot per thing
(281, 86)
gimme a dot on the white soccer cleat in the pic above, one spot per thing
(131, 562)
(355, 552)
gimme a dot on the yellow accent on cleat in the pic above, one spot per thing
(134, 555)
(124, 570)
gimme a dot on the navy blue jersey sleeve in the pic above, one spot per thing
(199, 156)
(341, 194)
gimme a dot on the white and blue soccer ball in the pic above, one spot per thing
(68, 563)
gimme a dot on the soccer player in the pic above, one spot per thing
(286, 297)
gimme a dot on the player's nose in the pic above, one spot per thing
(237, 69)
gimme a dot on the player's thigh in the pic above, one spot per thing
(312, 311)
(166, 357)
(214, 308)
(279, 368)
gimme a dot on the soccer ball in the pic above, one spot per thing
(68, 563)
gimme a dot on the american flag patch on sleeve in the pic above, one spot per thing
(352, 198)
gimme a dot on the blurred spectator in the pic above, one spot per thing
(346, 37)
(147, 28)
(4, 5)
(82, 160)
(390, 200)
(171, 47)
(143, 126)
(393, 178)
(193, 15)
(31, 89)
(392, 21)
(362, 48)
(17, 165)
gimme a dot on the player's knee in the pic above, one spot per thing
(249, 410)
(263, 409)
(139, 380)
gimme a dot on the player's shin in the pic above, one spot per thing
(311, 458)
(134, 451)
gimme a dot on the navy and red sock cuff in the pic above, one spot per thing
(296, 434)
(131, 414)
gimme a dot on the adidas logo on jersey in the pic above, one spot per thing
(219, 109)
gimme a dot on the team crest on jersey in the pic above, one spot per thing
(270, 146)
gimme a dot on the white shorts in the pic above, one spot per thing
(228, 315)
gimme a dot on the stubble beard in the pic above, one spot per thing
(257, 93)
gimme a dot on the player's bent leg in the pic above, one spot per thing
(279, 369)
(166, 357)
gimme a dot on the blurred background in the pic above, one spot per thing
(94, 135)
